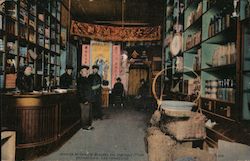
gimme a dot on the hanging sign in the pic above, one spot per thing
(86, 54)
(111, 33)
(116, 62)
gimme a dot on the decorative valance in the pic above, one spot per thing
(112, 33)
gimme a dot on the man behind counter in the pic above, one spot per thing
(66, 79)
(24, 80)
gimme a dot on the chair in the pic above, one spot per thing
(118, 100)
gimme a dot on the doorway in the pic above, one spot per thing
(135, 75)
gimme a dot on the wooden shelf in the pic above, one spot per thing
(220, 134)
(246, 20)
(215, 114)
(222, 37)
(193, 49)
(191, 73)
(218, 100)
(195, 25)
(220, 68)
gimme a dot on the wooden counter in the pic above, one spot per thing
(40, 119)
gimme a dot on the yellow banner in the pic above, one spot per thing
(101, 56)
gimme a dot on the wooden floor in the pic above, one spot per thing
(120, 136)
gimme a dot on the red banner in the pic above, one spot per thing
(116, 62)
(111, 33)
(86, 54)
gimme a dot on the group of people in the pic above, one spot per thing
(90, 94)
(89, 89)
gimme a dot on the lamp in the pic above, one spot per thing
(235, 14)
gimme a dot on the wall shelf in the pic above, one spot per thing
(195, 25)
(220, 68)
(193, 49)
(222, 37)
(220, 101)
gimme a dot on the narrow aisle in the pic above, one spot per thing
(119, 137)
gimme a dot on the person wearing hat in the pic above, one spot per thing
(24, 80)
(118, 92)
(96, 82)
(143, 93)
(85, 97)
(66, 79)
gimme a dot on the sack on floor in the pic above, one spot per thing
(160, 146)
(192, 154)
(193, 128)
(155, 119)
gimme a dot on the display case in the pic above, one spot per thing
(30, 35)
(245, 70)
(216, 47)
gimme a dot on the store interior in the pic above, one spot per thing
(183, 67)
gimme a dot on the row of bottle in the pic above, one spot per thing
(194, 15)
(224, 55)
(193, 39)
(220, 89)
(197, 61)
(219, 22)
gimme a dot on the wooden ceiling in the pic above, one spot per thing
(119, 12)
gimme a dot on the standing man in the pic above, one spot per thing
(66, 79)
(96, 87)
(85, 98)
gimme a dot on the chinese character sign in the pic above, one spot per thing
(85, 54)
(116, 62)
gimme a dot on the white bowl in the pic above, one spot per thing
(177, 109)
(170, 103)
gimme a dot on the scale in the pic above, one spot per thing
(176, 43)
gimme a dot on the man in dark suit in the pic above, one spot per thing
(66, 79)
(24, 80)
(118, 92)
(96, 82)
(85, 98)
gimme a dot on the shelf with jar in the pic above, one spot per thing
(192, 41)
(192, 16)
(219, 56)
(217, 23)
(26, 28)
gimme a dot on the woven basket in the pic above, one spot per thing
(171, 111)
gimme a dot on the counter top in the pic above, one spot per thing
(38, 94)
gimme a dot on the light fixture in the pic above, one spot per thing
(235, 13)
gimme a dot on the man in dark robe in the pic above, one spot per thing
(24, 80)
(142, 96)
(66, 79)
(118, 92)
(96, 82)
(85, 98)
